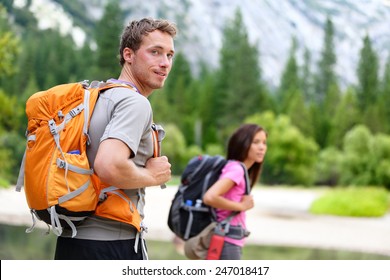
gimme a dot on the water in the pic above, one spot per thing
(15, 244)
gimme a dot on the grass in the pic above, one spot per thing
(161, 250)
(353, 201)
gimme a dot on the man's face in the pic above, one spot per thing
(152, 62)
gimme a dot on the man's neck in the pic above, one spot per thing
(122, 81)
(126, 76)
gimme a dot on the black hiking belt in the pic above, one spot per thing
(237, 232)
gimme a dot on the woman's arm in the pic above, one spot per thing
(214, 197)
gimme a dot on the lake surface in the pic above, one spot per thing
(15, 244)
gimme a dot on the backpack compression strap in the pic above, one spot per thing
(158, 135)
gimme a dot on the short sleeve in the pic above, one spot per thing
(234, 171)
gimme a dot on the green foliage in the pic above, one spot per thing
(345, 117)
(14, 144)
(10, 144)
(289, 82)
(9, 113)
(380, 160)
(326, 76)
(179, 100)
(107, 35)
(366, 158)
(206, 101)
(5, 167)
(190, 152)
(355, 167)
(307, 77)
(384, 98)
(328, 166)
(174, 146)
(353, 201)
(9, 45)
(299, 113)
(291, 95)
(239, 76)
(207, 108)
(367, 73)
(291, 157)
(214, 149)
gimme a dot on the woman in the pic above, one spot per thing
(248, 145)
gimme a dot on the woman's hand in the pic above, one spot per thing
(247, 202)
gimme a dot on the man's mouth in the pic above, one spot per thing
(161, 74)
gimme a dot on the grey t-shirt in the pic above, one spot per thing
(126, 115)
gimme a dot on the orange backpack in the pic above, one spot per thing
(61, 189)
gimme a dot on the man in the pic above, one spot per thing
(122, 147)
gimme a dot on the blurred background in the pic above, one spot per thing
(314, 74)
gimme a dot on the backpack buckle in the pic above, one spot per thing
(52, 127)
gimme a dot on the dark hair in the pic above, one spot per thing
(238, 147)
(134, 32)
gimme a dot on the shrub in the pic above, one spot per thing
(353, 201)
(328, 166)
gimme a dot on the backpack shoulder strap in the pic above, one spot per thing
(247, 181)
(246, 176)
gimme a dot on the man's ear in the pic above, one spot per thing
(128, 55)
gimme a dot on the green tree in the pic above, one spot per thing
(176, 88)
(368, 91)
(9, 45)
(367, 74)
(366, 158)
(326, 76)
(299, 114)
(207, 99)
(177, 100)
(327, 91)
(108, 30)
(328, 167)
(174, 146)
(307, 79)
(9, 109)
(291, 98)
(290, 83)
(53, 58)
(380, 160)
(346, 116)
(356, 168)
(384, 98)
(239, 76)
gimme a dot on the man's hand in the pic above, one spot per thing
(160, 168)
